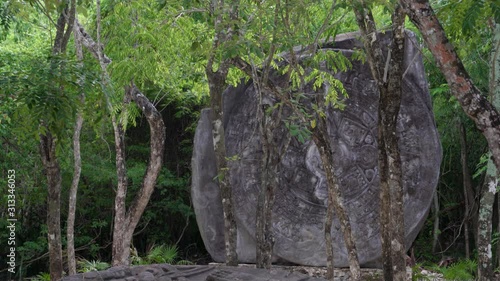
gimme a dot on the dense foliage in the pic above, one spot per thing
(163, 46)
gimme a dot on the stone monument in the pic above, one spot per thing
(300, 206)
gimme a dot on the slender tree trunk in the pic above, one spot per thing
(48, 155)
(385, 208)
(330, 254)
(388, 75)
(121, 245)
(498, 229)
(436, 231)
(270, 176)
(467, 186)
(120, 248)
(125, 223)
(269, 180)
(374, 54)
(485, 267)
(157, 148)
(224, 32)
(490, 188)
(51, 165)
(217, 85)
(335, 202)
(70, 228)
(391, 104)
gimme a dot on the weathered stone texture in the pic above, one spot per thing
(299, 211)
(166, 272)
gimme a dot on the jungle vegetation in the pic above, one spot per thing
(70, 74)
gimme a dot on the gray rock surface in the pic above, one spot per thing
(299, 211)
(166, 272)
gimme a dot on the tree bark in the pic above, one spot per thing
(77, 167)
(498, 227)
(474, 104)
(217, 84)
(390, 104)
(120, 249)
(70, 228)
(436, 231)
(490, 188)
(335, 203)
(269, 180)
(389, 76)
(125, 222)
(270, 175)
(121, 244)
(157, 148)
(48, 143)
(467, 186)
(374, 55)
(53, 171)
(485, 267)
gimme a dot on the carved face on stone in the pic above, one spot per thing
(314, 165)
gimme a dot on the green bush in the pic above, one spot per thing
(462, 270)
(157, 254)
(86, 265)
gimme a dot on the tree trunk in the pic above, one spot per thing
(126, 222)
(436, 231)
(53, 171)
(48, 155)
(498, 229)
(474, 104)
(217, 86)
(485, 267)
(335, 202)
(390, 102)
(70, 228)
(389, 76)
(373, 51)
(157, 148)
(467, 186)
(490, 188)
(269, 180)
(120, 248)
(270, 175)
(224, 32)
(121, 245)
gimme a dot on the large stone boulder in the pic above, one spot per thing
(299, 210)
